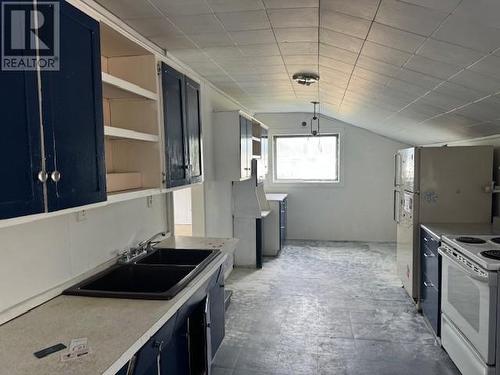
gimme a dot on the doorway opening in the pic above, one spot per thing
(183, 212)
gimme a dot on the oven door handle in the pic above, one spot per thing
(483, 279)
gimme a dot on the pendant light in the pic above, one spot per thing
(315, 126)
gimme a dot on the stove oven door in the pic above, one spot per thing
(469, 301)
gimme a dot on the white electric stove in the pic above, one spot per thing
(469, 302)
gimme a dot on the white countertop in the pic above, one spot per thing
(116, 328)
(439, 229)
(276, 196)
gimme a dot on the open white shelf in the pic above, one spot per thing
(117, 88)
(126, 195)
(120, 133)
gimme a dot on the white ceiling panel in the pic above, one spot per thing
(206, 40)
(386, 54)
(235, 5)
(359, 8)
(419, 79)
(151, 27)
(297, 34)
(345, 24)
(462, 30)
(176, 43)
(477, 81)
(420, 71)
(395, 38)
(339, 54)
(240, 21)
(299, 48)
(417, 19)
(449, 53)
(330, 63)
(340, 40)
(443, 5)
(181, 7)
(490, 65)
(260, 50)
(300, 17)
(198, 24)
(263, 36)
(432, 67)
(279, 4)
(301, 60)
(131, 8)
(378, 66)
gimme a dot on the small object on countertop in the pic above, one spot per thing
(77, 348)
(47, 351)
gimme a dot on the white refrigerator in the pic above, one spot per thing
(437, 185)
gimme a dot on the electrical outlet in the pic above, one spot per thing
(81, 216)
(149, 201)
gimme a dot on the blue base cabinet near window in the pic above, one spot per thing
(55, 141)
(188, 342)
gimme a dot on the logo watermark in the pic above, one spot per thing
(30, 35)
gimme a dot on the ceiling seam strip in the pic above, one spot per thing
(359, 54)
(279, 49)
(192, 41)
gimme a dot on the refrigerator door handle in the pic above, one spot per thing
(394, 207)
(396, 170)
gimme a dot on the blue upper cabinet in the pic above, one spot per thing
(174, 122)
(193, 129)
(58, 141)
(22, 192)
(182, 123)
(73, 116)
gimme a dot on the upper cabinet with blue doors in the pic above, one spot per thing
(52, 146)
(182, 125)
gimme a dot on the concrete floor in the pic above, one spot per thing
(326, 308)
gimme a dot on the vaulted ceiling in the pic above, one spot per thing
(420, 71)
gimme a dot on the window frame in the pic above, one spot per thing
(276, 180)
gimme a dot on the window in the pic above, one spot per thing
(299, 158)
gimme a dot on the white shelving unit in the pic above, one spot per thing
(117, 88)
(120, 133)
(131, 117)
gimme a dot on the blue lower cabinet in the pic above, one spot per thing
(186, 344)
(430, 276)
(217, 314)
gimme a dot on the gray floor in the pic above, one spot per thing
(326, 308)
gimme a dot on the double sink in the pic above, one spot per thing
(160, 274)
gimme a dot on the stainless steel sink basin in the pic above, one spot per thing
(188, 257)
(159, 275)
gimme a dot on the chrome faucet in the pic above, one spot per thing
(147, 244)
(142, 247)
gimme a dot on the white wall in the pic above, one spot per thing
(360, 208)
(182, 207)
(41, 255)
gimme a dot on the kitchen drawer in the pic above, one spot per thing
(430, 266)
(430, 303)
(429, 241)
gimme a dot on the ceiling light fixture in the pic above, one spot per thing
(306, 79)
(315, 120)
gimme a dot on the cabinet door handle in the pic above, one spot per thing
(43, 176)
(55, 176)
(428, 284)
